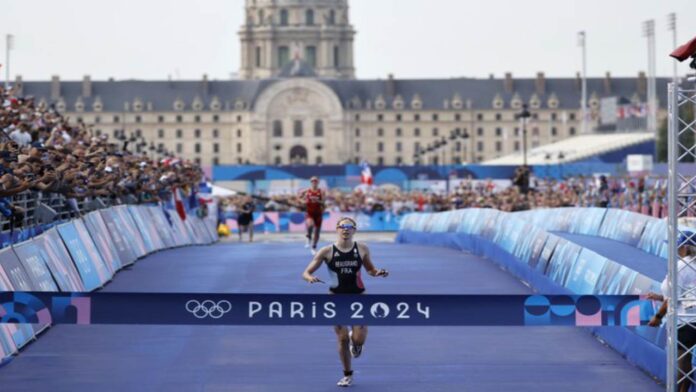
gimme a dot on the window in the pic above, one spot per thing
(97, 120)
(277, 128)
(309, 17)
(216, 148)
(318, 128)
(572, 130)
(116, 132)
(357, 146)
(138, 119)
(179, 133)
(160, 133)
(179, 148)
(317, 160)
(517, 131)
(479, 116)
(416, 117)
(458, 146)
(160, 146)
(554, 131)
(517, 145)
(380, 160)
(98, 131)
(239, 133)
(311, 55)
(416, 132)
(398, 117)
(197, 118)
(160, 119)
(216, 161)
(297, 128)
(436, 132)
(479, 132)
(553, 116)
(258, 56)
(239, 147)
(197, 148)
(216, 118)
(357, 132)
(571, 116)
(283, 17)
(435, 117)
(179, 118)
(335, 58)
(479, 146)
(457, 117)
(398, 161)
(416, 146)
(498, 146)
(380, 117)
(380, 132)
(535, 131)
(116, 119)
(278, 160)
(239, 118)
(332, 17)
(380, 147)
(357, 117)
(498, 132)
(398, 132)
(535, 116)
(197, 160)
(216, 133)
(138, 133)
(498, 116)
(197, 133)
(283, 55)
(398, 146)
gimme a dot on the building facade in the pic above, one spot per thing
(297, 102)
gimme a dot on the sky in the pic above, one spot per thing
(183, 39)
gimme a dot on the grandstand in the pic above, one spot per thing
(610, 148)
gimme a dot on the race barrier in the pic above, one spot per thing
(22, 308)
(81, 256)
(294, 222)
(534, 246)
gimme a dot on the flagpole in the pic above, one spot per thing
(583, 98)
(8, 46)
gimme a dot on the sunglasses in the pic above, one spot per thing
(346, 227)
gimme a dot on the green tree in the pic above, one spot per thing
(687, 139)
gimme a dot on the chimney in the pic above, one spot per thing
(86, 86)
(391, 86)
(578, 81)
(507, 84)
(540, 84)
(19, 86)
(642, 83)
(55, 87)
(607, 83)
(204, 84)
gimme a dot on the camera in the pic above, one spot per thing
(685, 51)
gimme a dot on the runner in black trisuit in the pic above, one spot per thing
(344, 260)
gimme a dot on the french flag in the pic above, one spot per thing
(179, 203)
(365, 174)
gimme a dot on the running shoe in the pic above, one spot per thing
(308, 243)
(355, 350)
(345, 381)
(314, 251)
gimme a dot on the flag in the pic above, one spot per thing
(365, 174)
(179, 203)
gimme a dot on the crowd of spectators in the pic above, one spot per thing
(582, 191)
(44, 152)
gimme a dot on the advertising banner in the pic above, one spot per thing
(529, 248)
(563, 259)
(35, 266)
(100, 235)
(164, 229)
(584, 275)
(129, 230)
(143, 229)
(615, 279)
(654, 238)
(60, 263)
(183, 236)
(13, 277)
(307, 309)
(547, 252)
(126, 254)
(623, 226)
(93, 272)
(7, 344)
(587, 221)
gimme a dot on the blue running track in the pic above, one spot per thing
(212, 359)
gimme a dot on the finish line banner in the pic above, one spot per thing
(300, 309)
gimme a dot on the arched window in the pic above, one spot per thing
(309, 17)
(318, 128)
(283, 17)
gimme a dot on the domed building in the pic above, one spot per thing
(297, 101)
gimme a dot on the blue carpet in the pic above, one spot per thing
(181, 358)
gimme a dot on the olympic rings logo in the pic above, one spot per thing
(208, 308)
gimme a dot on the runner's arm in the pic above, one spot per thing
(367, 263)
(314, 265)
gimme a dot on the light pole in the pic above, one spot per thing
(672, 26)
(583, 96)
(9, 43)
(524, 115)
(649, 33)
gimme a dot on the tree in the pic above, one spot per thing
(687, 139)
